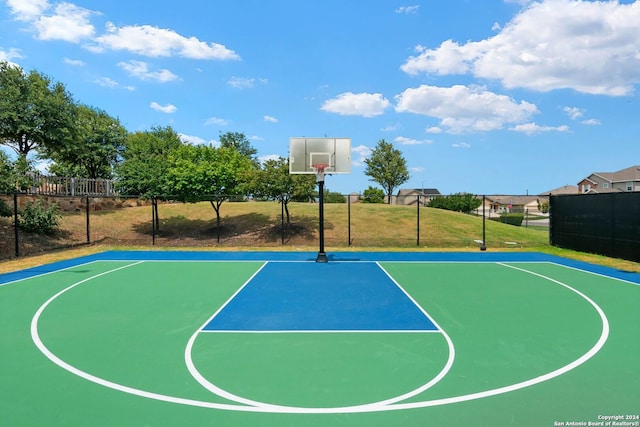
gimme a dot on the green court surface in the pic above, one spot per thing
(131, 339)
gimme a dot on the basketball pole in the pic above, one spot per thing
(322, 256)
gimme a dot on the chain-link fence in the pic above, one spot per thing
(245, 223)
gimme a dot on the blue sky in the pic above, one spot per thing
(482, 96)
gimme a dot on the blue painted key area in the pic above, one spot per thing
(346, 296)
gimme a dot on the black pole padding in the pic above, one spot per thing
(483, 246)
(322, 256)
(16, 223)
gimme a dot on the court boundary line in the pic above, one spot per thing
(371, 408)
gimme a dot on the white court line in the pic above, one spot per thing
(353, 409)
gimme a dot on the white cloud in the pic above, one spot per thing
(73, 62)
(69, 23)
(152, 41)
(270, 119)
(433, 129)
(255, 138)
(245, 83)
(588, 46)
(140, 70)
(417, 169)
(391, 128)
(107, 82)
(463, 109)
(27, 10)
(8, 55)
(357, 104)
(359, 154)
(532, 128)
(410, 141)
(169, 108)
(196, 140)
(591, 122)
(408, 10)
(573, 112)
(216, 121)
(461, 145)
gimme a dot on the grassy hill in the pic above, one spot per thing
(260, 224)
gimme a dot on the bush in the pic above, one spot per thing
(459, 202)
(333, 197)
(512, 218)
(39, 218)
(5, 210)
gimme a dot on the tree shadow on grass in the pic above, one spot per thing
(252, 229)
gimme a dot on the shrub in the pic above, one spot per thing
(5, 210)
(39, 218)
(334, 197)
(512, 218)
(459, 202)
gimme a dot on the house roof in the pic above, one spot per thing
(629, 174)
(421, 191)
(565, 189)
(513, 200)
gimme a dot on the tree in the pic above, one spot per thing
(97, 146)
(373, 195)
(274, 182)
(387, 167)
(35, 113)
(145, 161)
(239, 142)
(197, 173)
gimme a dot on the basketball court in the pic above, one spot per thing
(132, 338)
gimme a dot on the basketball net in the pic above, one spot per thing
(319, 170)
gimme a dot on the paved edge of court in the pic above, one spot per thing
(145, 255)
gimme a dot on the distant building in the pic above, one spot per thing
(410, 196)
(610, 182)
(565, 189)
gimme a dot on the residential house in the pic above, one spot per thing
(495, 205)
(410, 196)
(609, 182)
(565, 189)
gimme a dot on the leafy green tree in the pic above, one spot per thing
(7, 181)
(373, 195)
(197, 173)
(145, 161)
(387, 167)
(241, 143)
(97, 146)
(274, 182)
(35, 112)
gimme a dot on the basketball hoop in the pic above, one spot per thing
(319, 170)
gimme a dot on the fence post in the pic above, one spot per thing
(282, 216)
(15, 223)
(418, 222)
(348, 219)
(483, 246)
(88, 226)
(153, 221)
